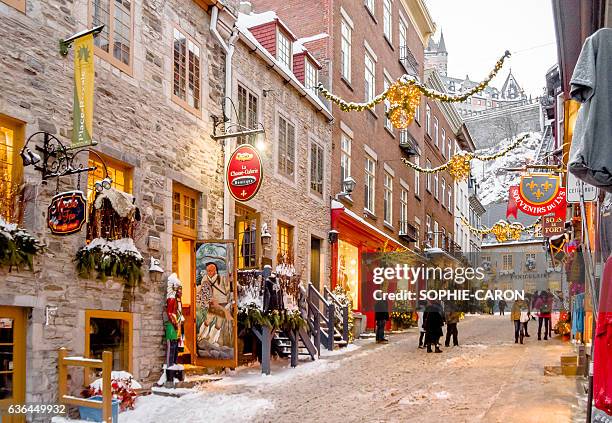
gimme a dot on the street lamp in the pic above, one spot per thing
(348, 185)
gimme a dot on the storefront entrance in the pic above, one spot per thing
(12, 359)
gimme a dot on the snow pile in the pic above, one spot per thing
(123, 246)
(492, 180)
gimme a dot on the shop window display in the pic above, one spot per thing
(348, 270)
(109, 331)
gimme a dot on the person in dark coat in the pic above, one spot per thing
(433, 320)
(502, 307)
(381, 315)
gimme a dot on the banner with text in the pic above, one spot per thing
(82, 109)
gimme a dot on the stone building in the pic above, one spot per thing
(155, 90)
(274, 76)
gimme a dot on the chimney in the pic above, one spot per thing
(246, 7)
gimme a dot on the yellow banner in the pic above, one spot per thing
(82, 110)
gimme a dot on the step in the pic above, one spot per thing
(569, 359)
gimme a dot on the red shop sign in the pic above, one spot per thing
(66, 213)
(244, 172)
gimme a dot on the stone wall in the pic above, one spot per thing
(136, 122)
(281, 199)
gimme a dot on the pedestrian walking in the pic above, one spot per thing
(433, 320)
(502, 307)
(452, 319)
(520, 315)
(420, 314)
(381, 315)
(490, 305)
(543, 304)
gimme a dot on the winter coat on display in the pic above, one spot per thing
(602, 364)
(273, 294)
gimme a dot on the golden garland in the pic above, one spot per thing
(404, 96)
(502, 230)
(459, 164)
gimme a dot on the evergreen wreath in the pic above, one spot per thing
(110, 259)
(17, 246)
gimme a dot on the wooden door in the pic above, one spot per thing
(12, 360)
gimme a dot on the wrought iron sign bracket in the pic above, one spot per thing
(65, 44)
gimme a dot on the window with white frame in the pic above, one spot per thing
(428, 178)
(443, 186)
(286, 147)
(370, 5)
(507, 262)
(435, 187)
(345, 49)
(403, 37)
(388, 123)
(417, 114)
(443, 142)
(345, 158)
(450, 199)
(310, 76)
(370, 182)
(403, 211)
(435, 234)
(427, 119)
(283, 50)
(370, 78)
(428, 226)
(387, 20)
(417, 178)
(317, 166)
(247, 113)
(450, 144)
(388, 199)
(435, 128)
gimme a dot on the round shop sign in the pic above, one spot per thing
(244, 172)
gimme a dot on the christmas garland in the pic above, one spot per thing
(404, 96)
(251, 316)
(17, 246)
(459, 164)
(110, 259)
(502, 230)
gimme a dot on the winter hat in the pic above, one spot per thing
(174, 283)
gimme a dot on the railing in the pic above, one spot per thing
(408, 60)
(342, 313)
(442, 241)
(106, 364)
(316, 318)
(408, 231)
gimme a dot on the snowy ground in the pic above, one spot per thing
(487, 379)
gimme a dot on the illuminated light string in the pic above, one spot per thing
(404, 96)
(502, 230)
(459, 164)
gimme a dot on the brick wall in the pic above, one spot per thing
(266, 35)
(135, 121)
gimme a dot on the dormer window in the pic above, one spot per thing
(283, 51)
(310, 75)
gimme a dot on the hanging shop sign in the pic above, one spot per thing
(576, 187)
(552, 226)
(66, 213)
(244, 172)
(537, 194)
(82, 109)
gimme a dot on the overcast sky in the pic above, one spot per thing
(477, 32)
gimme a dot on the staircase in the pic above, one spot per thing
(327, 319)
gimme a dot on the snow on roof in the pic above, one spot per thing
(299, 47)
(246, 35)
(256, 19)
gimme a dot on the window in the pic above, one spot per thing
(428, 119)
(428, 178)
(316, 168)
(345, 159)
(247, 114)
(119, 172)
(11, 168)
(403, 37)
(443, 196)
(388, 123)
(370, 5)
(435, 234)
(450, 199)
(428, 227)
(310, 76)
(435, 187)
(286, 147)
(283, 49)
(417, 178)
(417, 227)
(248, 237)
(184, 210)
(507, 262)
(443, 142)
(435, 128)
(403, 211)
(116, 16)
(370, 78)
(284, 242)
(417, 114)
(17, 4)
(109, 331)
(186, 84)
(388, 199)
(450, 143)
(345, 50)
(387, 20)
(369, 192)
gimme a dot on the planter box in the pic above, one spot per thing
(95, 414)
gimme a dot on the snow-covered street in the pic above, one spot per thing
(487, 378)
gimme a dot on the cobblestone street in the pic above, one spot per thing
(487, 379)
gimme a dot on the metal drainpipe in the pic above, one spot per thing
(229, 53)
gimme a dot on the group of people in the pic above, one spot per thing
(540, 304)
(431, 319)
